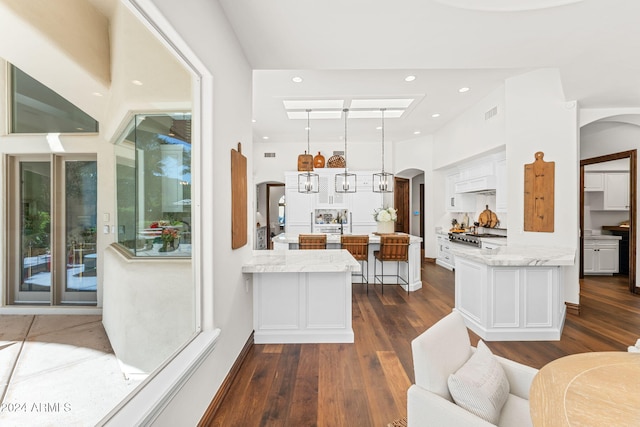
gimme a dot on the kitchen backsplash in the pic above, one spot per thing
(482, 201)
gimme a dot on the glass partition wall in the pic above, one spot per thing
(153, 170)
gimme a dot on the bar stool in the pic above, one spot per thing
(312, 241)
(358, 247)
(393, 248)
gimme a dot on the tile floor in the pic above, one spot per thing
(57, 370)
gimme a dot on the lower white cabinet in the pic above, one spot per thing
(601, 256)
(444, 257)
(510, 303)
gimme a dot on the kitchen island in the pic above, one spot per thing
(512, 293)
(288, 241)
(302, 296)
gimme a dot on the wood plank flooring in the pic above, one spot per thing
(365, 383)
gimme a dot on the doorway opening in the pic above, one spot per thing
(624, 185)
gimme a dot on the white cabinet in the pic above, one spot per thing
(362, 204)
(444, 257)
(455, 202)
(593, 181)
(501, 185)
(616, 191)
(601, 256)
(298, 207)
(327, 197)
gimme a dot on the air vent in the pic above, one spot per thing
(269, 154)
(491, 113)
(338, 153)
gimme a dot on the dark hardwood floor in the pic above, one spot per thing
(365, 383)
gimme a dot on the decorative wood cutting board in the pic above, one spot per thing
(238, 198)
(539, 182)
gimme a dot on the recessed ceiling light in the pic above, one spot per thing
(434, 115)
(253, 120)
(297, 79)
(307, 128)
(265, 137)
(417, 132)
(463, 89)
(378, 127)
(136, 82)
(409, 78)
(97, 94)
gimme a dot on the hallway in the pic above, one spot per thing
(57, 370)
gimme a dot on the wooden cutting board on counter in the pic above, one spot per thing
(488, 218)
(539, 182)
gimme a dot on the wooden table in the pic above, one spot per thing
(588, 389)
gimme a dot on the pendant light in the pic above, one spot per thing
(383, 181)
(345, 182)
(308, 182)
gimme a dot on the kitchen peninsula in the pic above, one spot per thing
(287, 241)
(512, 293)
(302, 296)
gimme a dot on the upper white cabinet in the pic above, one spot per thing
(363, 203)
(298, 207)
(593, 181)
(614, 194)
(457, 202)
(501, 185)
(327, 197)
(616, 191)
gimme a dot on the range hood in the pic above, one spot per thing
(482, 184)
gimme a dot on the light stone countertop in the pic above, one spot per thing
(602, 237)
(297, 261)
(334, 238)
(509, 256)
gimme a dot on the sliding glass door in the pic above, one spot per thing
(52, 230)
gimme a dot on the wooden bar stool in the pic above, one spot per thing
(358, 246)
(312, 241)
(393, 248)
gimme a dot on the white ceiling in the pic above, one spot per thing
(364, 48)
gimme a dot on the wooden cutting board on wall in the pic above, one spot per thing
(238, 198)
(539, 183)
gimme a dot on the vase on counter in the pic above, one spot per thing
(386, 227)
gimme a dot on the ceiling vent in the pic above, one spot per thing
(269, 154)
(491, 113)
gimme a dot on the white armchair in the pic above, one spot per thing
(442, 350)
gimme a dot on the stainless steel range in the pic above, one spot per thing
(471, 239)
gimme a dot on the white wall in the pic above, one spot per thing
(149, 311)
(538, 119)
(417, 154)
(362, 156)
(470, 135)
(416, 181)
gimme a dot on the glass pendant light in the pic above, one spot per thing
(383, 181)
(308, 182)
(345, 182)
